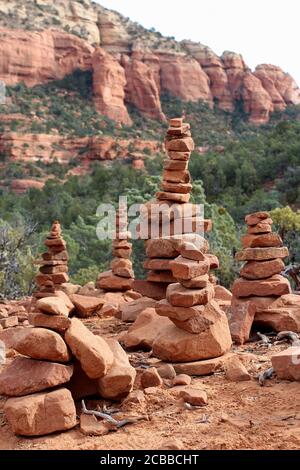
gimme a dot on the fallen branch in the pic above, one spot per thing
(108, 418)
(263, 376)
(290, 335)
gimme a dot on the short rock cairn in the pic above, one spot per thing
(54, 264)
(64, 361)
(261, 284)
(121, 275)
(199, 328)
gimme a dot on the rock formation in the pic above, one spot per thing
(262, 293)
(54, 264)
(61, 361)
(200, 328)
(109, 87)
(37, 57)
(121, 275)
(141, 87)
(131, 61)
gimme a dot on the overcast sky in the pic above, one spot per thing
(263, 31)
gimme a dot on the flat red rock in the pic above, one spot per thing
(41, 413)
(276, 285)
(24, 376)
(262, 254)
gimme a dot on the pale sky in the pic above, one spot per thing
(263, 31)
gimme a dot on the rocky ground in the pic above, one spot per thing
(239, 415)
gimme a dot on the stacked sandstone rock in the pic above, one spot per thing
(61, 361)
(54, 264)
(121, 275)
(199, 328)
(163, 228)
(261, 283)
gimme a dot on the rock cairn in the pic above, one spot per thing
(166, 229)
(261, 285)
(62, 361)
(54, 264)
(199, 328)
(121, 275)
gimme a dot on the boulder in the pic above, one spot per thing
(183, 268)
(144, 330)
(166, 371)
(262, 254)
(260, 228)
(276, 285)
(202, 368)
(175, 345)
(86, 306)
(24, 376)
(235, 371)
(118, 381)
(199, 282)
(151, 378)
(266, 240)
(53, 306)
(9, 322)
(202, 321)
(90, 426)
(182, 379)
(166, 196)
(108, 281)
(165, 309)
(80, 385)
(262, 269)
(194, 396)
(122, 267)
(256, 217)
(221, 293)
(179, 296)
(43, 344)
(282, 314)
(41, 413)
(131, 310)
(51, 322)
(154, 290)
(190, 251)
(92, 352)
(161, 264)
(287, 364)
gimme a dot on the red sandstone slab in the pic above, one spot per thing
(186, 269)
(242, 313)
(276, 285)
(261, 254)
(179, 296)
(262, 269)
(264, 240)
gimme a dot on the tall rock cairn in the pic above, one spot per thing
(199, 328)
(175, 190)
(54, 264)
(260, 283)
(121, 275)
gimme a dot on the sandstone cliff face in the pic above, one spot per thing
(35, 58)
(183, 77)
(134, 65)
(109, 87)
(214, 68)
(79, 17)
(281, 87)
(141, 88)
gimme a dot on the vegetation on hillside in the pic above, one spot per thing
(239, 169)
